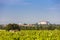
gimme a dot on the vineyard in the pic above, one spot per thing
(30, 35)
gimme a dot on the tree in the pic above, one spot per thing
(12, 27)
(51, 27)
(1, 26)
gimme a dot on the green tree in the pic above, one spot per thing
(1, 26)
(12, 27)
(51, 27)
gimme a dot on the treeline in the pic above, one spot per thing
(35, 27)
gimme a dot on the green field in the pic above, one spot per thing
(30, 35)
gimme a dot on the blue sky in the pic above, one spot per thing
(29, 11)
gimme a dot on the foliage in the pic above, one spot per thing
(1, 26)
(12, 27)
(35, 27)
(30, 35)
(41, 27)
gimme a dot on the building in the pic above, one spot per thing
(44, 22)
(26, 24)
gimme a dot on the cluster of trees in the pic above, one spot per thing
(41, 27)
(35, 27)
(10, 27)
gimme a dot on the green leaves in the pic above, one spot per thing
(12, 27)
(30, 35)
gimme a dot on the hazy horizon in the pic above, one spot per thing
(29, 11)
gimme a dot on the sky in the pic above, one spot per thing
(29, 11)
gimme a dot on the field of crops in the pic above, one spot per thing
(30, 35)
